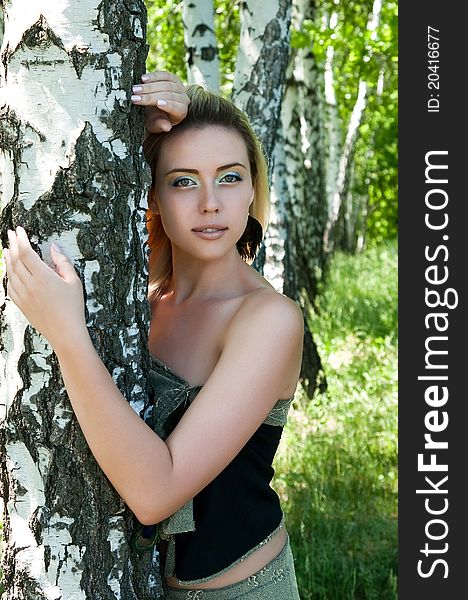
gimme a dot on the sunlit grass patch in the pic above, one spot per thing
(336, 471)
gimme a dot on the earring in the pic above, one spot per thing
(250, 241)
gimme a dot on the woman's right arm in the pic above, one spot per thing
(261, 356)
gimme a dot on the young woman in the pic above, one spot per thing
(226, 353)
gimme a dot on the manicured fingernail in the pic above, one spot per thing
(145, 77)
(161, 102)
(166, 127)
(135, 98)
(137, 88)
(56, 248)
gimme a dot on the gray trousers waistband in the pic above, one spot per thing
(276, 581)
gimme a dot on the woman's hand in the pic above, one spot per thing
(164, 98)
(52, 301)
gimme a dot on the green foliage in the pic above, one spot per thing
(336, 471)
(227, 22)
(376, 163)
(165, 35)
(371, 56)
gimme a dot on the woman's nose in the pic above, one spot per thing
(209, 201)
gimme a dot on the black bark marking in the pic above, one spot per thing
(12, 142)
(40, 36)
(201, 29)
(209, 53)
(80, 58)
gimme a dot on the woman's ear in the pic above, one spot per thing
(252, 196)
(152, 203)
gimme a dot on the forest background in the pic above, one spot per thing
(337, 468)
(336, 472)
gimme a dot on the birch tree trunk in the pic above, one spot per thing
(332, 145)
(288, 128)
(261, 65)
(343, 175)
(72, 171)
(200, 43)
(294, 253)
(356, 205)
(338, 192)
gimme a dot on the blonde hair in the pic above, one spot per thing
(206, 108)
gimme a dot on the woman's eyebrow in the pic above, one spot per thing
(178, 170)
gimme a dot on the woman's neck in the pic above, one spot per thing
(195, 280)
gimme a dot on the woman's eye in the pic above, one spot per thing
(182, 182)
(231, 177)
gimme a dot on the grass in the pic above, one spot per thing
(336, 471)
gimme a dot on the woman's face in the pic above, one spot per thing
(203, 189)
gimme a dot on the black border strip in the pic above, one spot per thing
(433, 270)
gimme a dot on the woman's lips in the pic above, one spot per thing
(209, 232)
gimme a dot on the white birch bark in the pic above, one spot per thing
(261, 65)
(332, 125)
(200, 43)
(1, 25)
(72, 171)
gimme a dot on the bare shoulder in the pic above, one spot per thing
(267, 311)
(267, 330)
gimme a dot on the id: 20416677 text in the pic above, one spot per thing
(433, 43)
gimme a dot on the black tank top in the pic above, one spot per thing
(234, 514)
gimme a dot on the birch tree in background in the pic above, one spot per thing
(72, 171)
(356, 204)
(295, 258)
(332, 126)
(339, 164)
(287, 258)
(261, 65)
(200, 43)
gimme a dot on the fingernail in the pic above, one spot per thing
(137, 88)
(161, 102)
(135, 98)
(56, 248)
(166, 127)
(145, 77)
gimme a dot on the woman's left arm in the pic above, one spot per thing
(126, 449)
